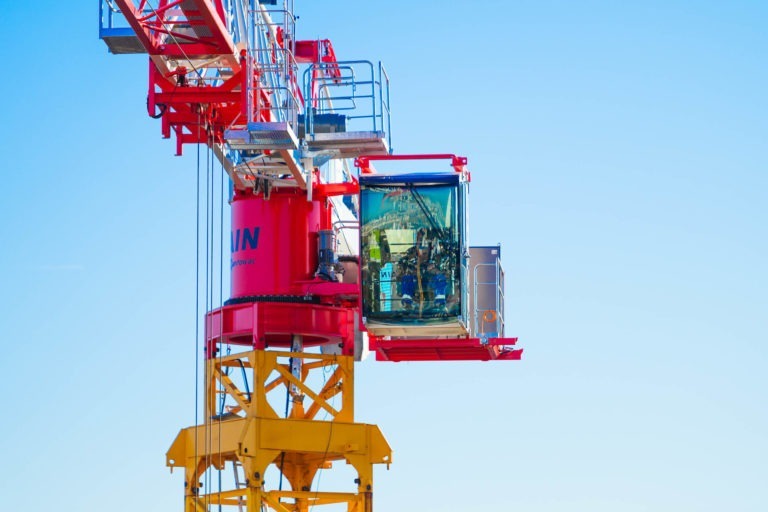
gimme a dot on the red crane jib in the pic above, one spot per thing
(177, 33)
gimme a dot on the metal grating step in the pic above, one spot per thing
(123, 44)
(350, 144)
(260, 136)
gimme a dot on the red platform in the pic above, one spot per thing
(462, 349)
(271, 324)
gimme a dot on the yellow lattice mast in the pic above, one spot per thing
(251, 436)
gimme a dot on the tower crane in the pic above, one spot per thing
(331, 258)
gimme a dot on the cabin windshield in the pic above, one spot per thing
(410, 248)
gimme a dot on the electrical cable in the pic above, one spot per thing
(287, 403)
(209, 260)
(161, 106)
(213, 264)
(245, 378)
(328, 444)
(208, 285)
(197, 295)
(221, 289)
(224, 371)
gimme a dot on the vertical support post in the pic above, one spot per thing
(308, 165)
(297, 396)
(499, 306)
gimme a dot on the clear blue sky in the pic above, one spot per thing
(619, 154)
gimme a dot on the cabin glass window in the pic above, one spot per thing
(410, 253)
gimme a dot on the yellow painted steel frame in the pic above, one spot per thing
(251, 434)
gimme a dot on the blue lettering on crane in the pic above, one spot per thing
(248, 239)
(235, 242)
(242, 240)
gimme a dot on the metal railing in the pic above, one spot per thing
(352, 88)
(272, 82)
(272, 95)
(478, 313)
(112, 23)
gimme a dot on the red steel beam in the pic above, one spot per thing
(149, 27)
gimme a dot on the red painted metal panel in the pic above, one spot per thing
(436, 349)
(363, 162)
(274, 242)
(169, 18)
(179, 31)
(271, 324)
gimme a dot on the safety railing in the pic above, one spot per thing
(273, 91)
(272, 95)
(384, 104)
(115, 31)
(354, 89)
(111, 21)
(485, 314)
(347, 231)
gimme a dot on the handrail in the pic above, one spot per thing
(499, 297)
(348, 87)
(275, 62)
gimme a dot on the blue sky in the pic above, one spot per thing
(618, 152)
